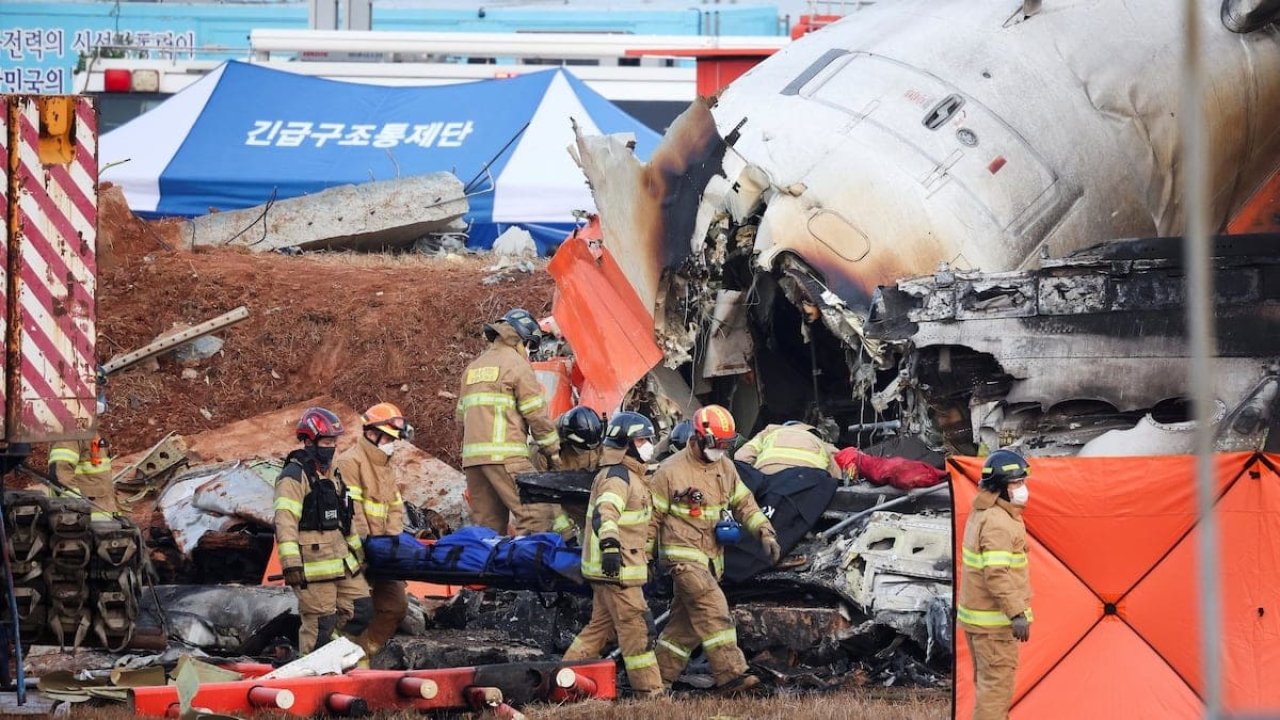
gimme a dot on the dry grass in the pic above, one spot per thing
(862, 704)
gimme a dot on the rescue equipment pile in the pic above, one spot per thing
(77, 577)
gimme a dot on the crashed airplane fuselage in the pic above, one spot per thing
(971, 137)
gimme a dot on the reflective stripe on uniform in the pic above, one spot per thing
(496, 450)
(613, 499)
(592, 569)
(322, 569)
(89, 468)
(289, 505)
(740, 491)
(634, 517)
(681, 553)
(98, 515)
(497, 400)
(64, 455)
(986, 618)
(533, 403)
(638, 662)
(755, 520)
(355, 493)
(771, 453)
(708, 513)
(674, 648)
(376, 509)
(354, 542)
(550, 438)
(994, 558)
(289, 549)
(562, 522)
(728, 636)
(660, 503)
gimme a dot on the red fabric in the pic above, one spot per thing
(901, 473)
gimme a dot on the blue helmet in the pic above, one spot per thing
(1003, 467)
(625, 427)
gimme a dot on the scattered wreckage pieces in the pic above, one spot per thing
(177, 340)
(370, 216)
(1001, 356)
(223, 619)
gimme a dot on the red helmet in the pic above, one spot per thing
(714, 425)
(316, 423)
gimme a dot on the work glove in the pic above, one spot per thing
(771, 546)
(553, 462)
(294, 577)
(611, 557)
(1022, 628)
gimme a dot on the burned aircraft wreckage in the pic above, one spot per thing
(885, 222)
(957, 223)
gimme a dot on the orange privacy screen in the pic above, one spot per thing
(602, 318)
(1113, 575)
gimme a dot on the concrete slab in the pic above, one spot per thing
(370, 216)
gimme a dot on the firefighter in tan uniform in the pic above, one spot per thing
(319, 549)
(581, 431)
(500, 404)
(614, 554)
(84, 468)
(790, 445)
(377, 509)
(995, 589)
(691, 491)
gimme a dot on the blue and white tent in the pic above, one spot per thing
(246, 134)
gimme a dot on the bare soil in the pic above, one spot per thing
(359, 328)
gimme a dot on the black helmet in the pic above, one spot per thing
(680, 434)
(523, 323)
(625, 427)
(1003, 467)
(581, 427)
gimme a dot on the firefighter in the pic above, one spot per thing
(693, 492)
(790, 445)
(499, 405)
(378, 509)
(995, 589)
(580, 430)
(614, 557)
(83, 467)
(319, 549)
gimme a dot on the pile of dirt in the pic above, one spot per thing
(359, 328)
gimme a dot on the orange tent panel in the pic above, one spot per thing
(1112, 673)
(1112, 550)
(1164, 609)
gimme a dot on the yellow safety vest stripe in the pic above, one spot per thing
(728, 636)
(593, 570)
(674, 648)
(994, 558)
(323, 569)
(497, 450)
(64, 455)
(289, 549)
(497, 400)
(289, 505)
(709, 513)
(376, 509)
(355, 493)
(88, 468)
(986, 618)
(641, 661)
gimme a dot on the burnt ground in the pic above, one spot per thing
(359, 328)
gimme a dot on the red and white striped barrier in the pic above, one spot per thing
(55, 183)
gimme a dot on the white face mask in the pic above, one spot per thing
(713, 454)
(388, 449)
(645, 451)
(1019, 496)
